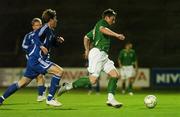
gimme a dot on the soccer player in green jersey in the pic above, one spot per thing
(98, 57)
(128, 67)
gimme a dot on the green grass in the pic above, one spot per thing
(79, 104)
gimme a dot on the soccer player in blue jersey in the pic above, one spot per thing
(27, 46)
(37, 62)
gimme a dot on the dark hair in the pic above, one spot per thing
(36, 20)
(48, 14)
(109, 13)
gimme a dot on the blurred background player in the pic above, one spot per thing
(128, 64)
(37, 62)
(98, 57)
(27, 46)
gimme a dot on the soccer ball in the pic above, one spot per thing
(150, 101)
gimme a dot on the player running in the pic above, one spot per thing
(37, 62)
(128, 67)
(88, 44)
(98, 58)
(27, 46)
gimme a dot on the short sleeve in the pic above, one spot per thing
(103, 23)
(90, 35)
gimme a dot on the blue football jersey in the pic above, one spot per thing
(28, 42)
(38, 63)
(43, 37)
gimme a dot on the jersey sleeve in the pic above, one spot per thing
(90, 35)
(41, 35)
(26, 43)
(104, 24)
(43, 30)
(54, 41)
(38, 42)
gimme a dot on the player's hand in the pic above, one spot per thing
(120, 36)
(44, 50)
(60, 39)
(86, 53)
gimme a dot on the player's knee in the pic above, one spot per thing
(115, 75)
(40, 82)
(22, 84)
(59, 72)
(93, 82)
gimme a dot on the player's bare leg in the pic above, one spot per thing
(24, 81)
(93, 80)
(112, 85)
(41, 88)
(57, 72)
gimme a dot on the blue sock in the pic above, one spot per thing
(1, 99)
(11, 89)
(54, 85)
(41, 90)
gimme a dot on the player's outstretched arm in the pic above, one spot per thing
(109, 32)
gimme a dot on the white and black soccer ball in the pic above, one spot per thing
(150, 101)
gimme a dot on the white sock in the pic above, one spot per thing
(49, 95)
(44, 93)
(3, 97)
(69, 86)
(110, 96)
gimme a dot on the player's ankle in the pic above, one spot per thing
(69, 86)
(110, 96)
(2, 99)
(49, 98)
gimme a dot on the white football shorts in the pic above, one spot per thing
(127, 72)
(99, 61)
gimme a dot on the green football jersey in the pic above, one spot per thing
(90, 35)
(127, 57)
(100, 40)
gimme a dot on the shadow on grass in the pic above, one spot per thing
(6, 109)
(23, 103)
(39, 109)
(53, 108)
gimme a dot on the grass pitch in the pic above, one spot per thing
(79, 104)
